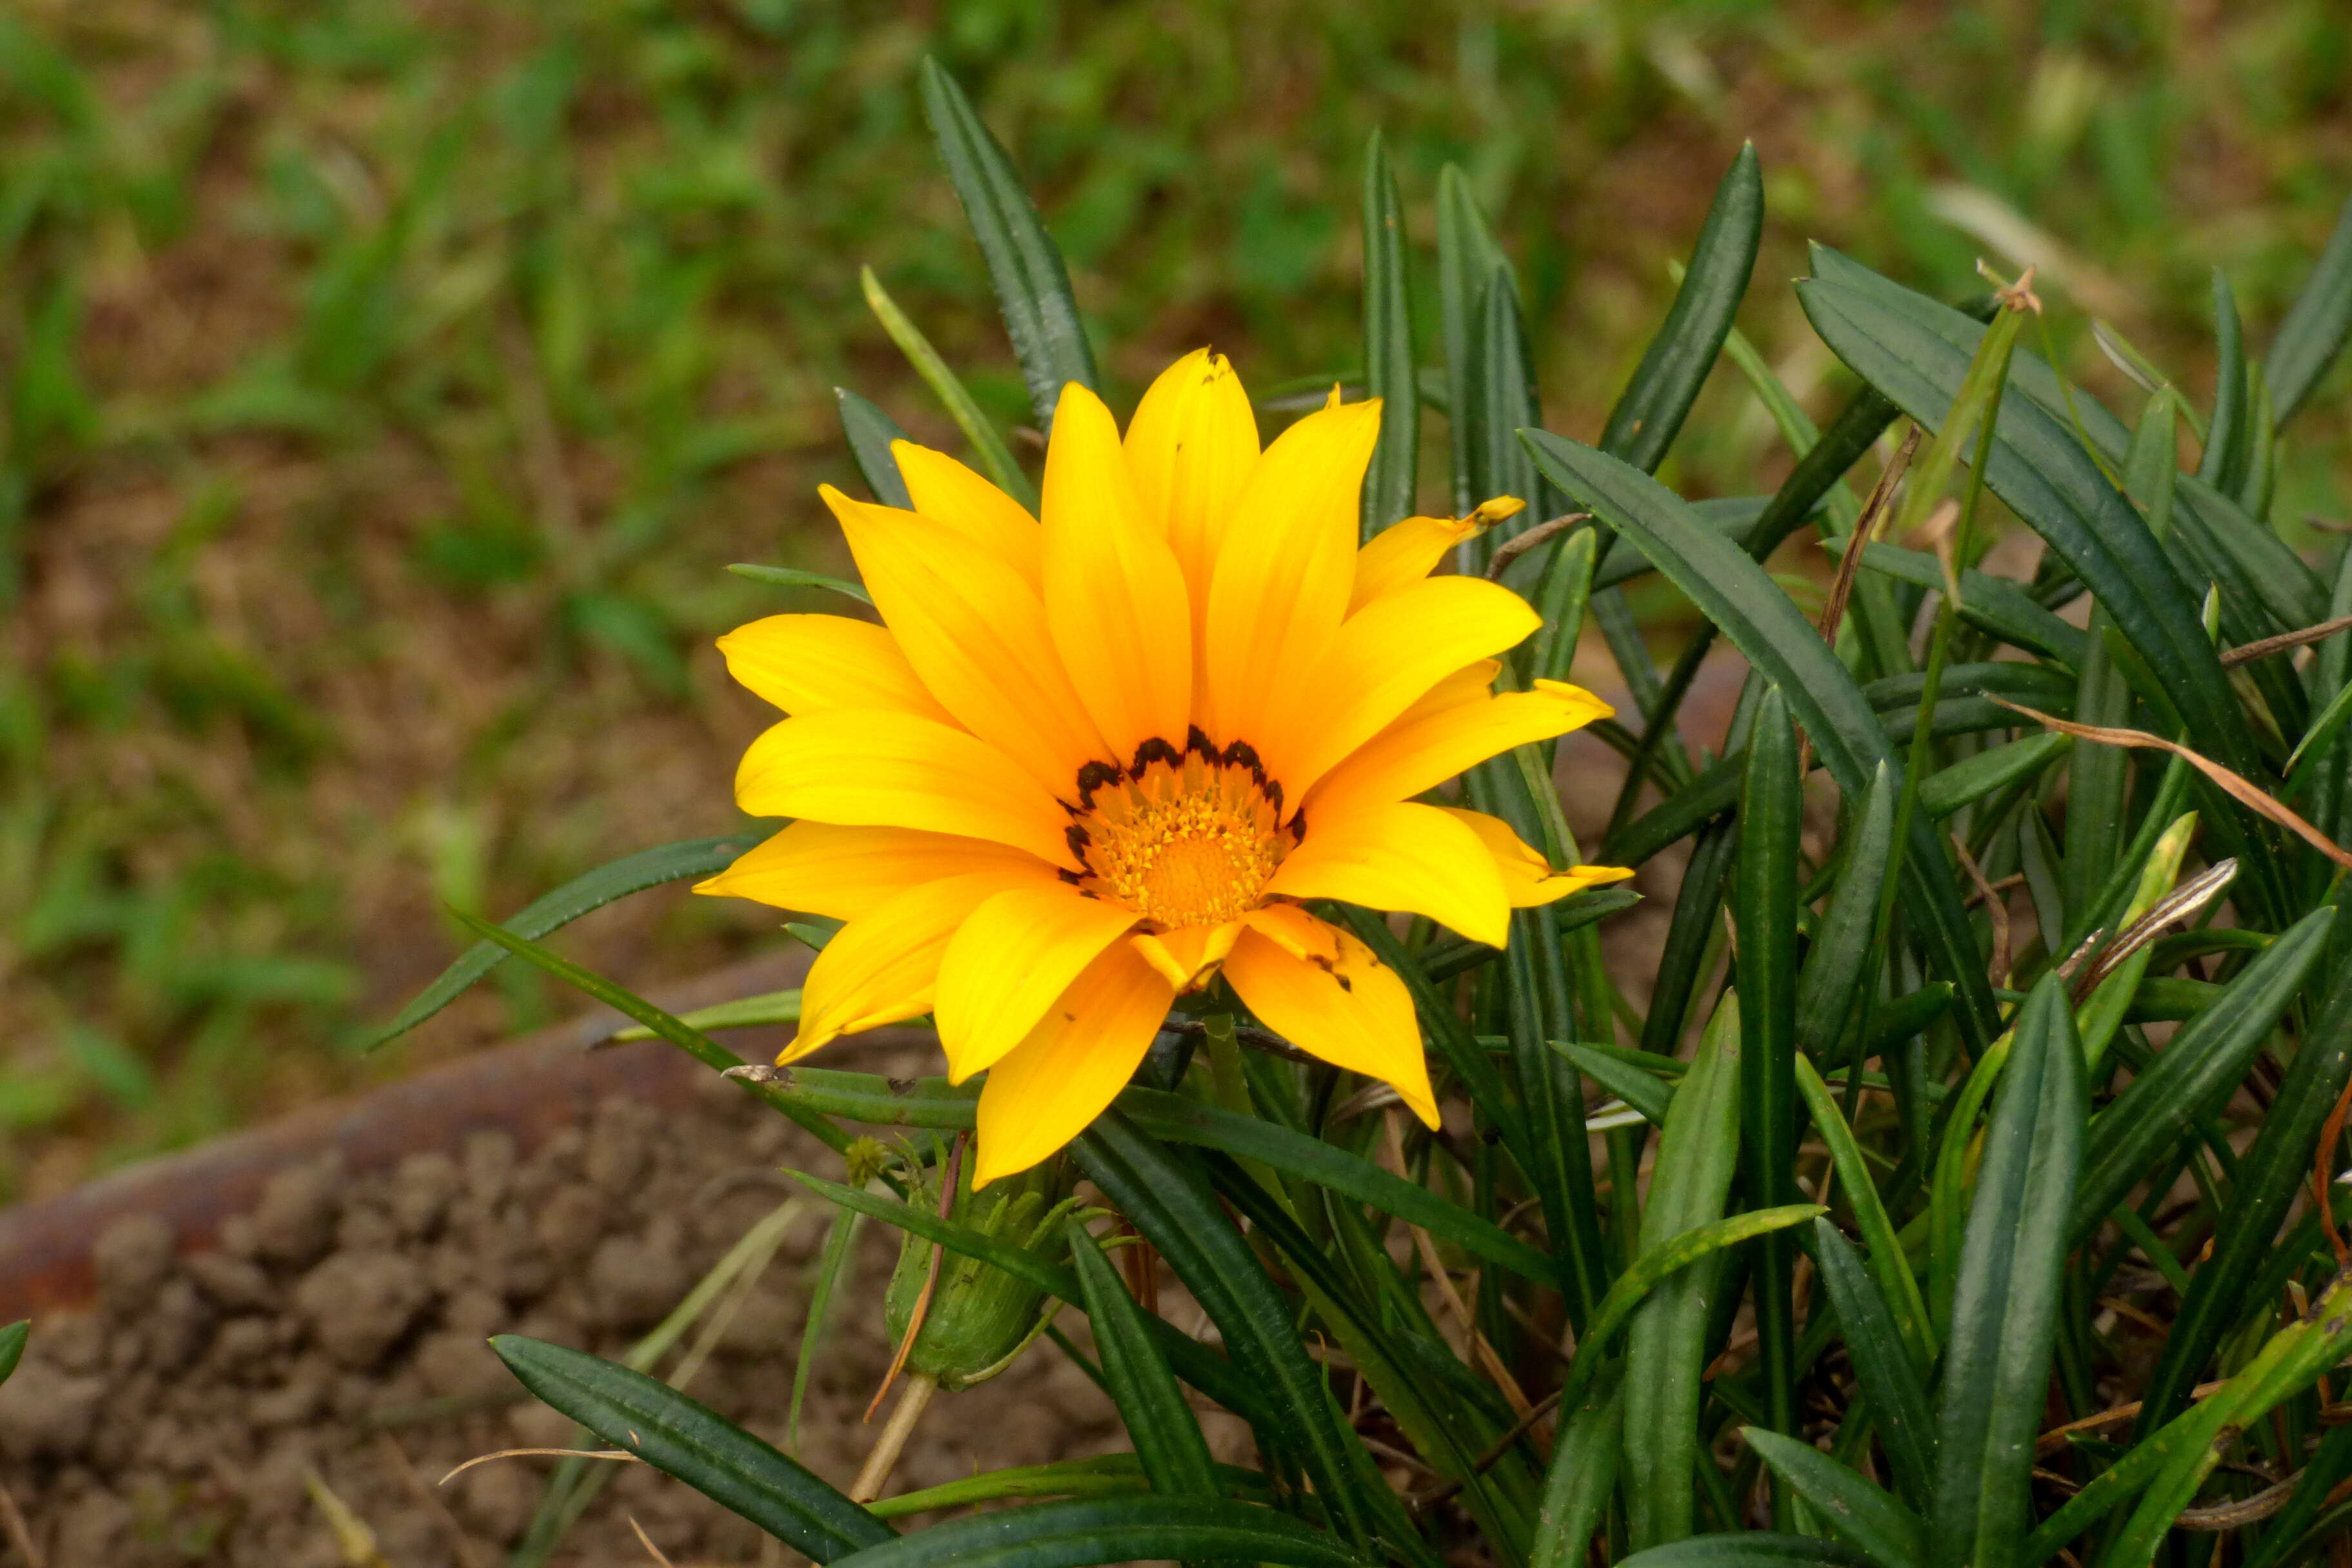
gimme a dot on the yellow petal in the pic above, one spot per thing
(1400, 856)
(846, 872)
(1387, 655)
(882, 968)
(1008, 962)
(1190, 446)
(891, 770)
(1430, 742)
(974, 629)
(1349, 1009)
(1527, 878)
(810, 664)
(1072, 1065)
(1190, 956)
(946, 491)
(1405, 552)
(1115, 597)
(1279, 587)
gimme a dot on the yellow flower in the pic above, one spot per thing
(1089, 762)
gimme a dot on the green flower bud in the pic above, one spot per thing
(980, 1316)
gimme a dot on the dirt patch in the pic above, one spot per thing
(338, 1325)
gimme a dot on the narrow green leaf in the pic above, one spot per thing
(2051, 482)
(2005, 1307)
(949, 388)
(831, 1263)
(1195, 1364)
(2283, 1537)
(1169, 1201)
(1177, 1119)
(1650, 412)
(2270, 1177)
(2288, 1363)
(1466, 257)
(793, 577)
(1033, 286)
(1665, 1342)
(2313, 333)
(1886, 1363)
(769, 1008)
(1994, 605)
(1388, 368)
(1706, 797)
(1088, 1530)
(1646, 1092)
(1749, 1549)
(1994, 769)
(683, 1438)
(1586, 1454)
(1166, 1434)
(2229, 441)
(2203, 1063)
(870, 432)
(1898, 1287)
(1765, 624)
(1561, 594)
(617, 880)
(628, 1003)
(1502, 398)
(1690, 935)
(12, 1346)
(1831, 981)
(1892, 1535)
(2102, 1014)
(1448, 1415)
(1764, 914)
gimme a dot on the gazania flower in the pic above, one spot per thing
(1089, 762)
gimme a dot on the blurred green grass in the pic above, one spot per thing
(384, 385)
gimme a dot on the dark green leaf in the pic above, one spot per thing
(1752, 1549)
(2270, 1177)
(1831, 981)
(1917, 353)
(1884, 1363)
(1389, 369)
(1168, 1201)
(1994, 605)
(793, 577)
(690, 1040)
(2229, 441)
(1689, 935)
(681, 1438)
(1023, 263)
(630, 874)
(1466, 257)
(12, 1346)
(1090, 1531)
(1166, 1434)
(2202, 1065)
(1583, 1480)
(1502, 398)
(870, 433)
(1646, 1092)
(1179, 1120)
(1892, 1535)
(1996, 768)
(1764, 915)
(2005, 1305)
(2313, 333)
(1666, 1340)
(1650, 412)
(1710, 795)
(1764, 624)
(1196, 1364)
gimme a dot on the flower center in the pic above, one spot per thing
(1183, 838)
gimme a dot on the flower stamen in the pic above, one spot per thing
(1184, 838)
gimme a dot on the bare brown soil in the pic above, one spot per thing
(340, 1325)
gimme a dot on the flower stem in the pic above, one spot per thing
(893, 1440)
